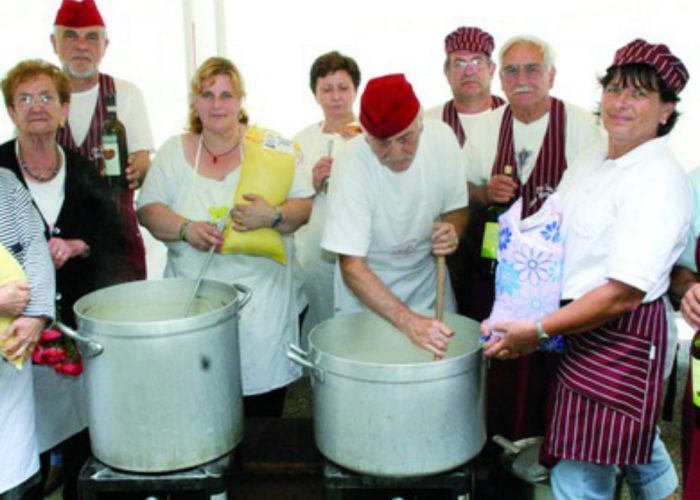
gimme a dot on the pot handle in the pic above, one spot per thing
(93, 348)
(301, 357)
(246, 292)
(506, 444)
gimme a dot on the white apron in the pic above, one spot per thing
(400, 252)
(60, 406)
(269, 320)
(316, 266)
(19, 453)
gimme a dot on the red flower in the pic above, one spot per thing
(38, 356)
(50, 334)
(52, 355)
(72, 368)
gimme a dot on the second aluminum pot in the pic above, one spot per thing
(382, 406)
(163, 392)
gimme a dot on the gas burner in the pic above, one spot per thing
(210, 479)
(454, 484)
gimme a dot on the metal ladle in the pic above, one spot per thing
(203, 270)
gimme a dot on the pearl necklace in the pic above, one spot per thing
(41, 177)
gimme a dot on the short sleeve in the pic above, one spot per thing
(133, 113)
(636, 219)
(349, 221)
(161, 183)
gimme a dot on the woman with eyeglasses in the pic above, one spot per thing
(82, 230)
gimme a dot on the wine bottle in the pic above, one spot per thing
(489, 245)
(695, 376)
(114, 147)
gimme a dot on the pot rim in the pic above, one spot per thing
(130, 329)
(396, 373)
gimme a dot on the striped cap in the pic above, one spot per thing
(78, 14)
(388, 106)
(472, 39)
(669, 67)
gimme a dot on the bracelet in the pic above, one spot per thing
(541, 334)
(182, 235)
(277, 219)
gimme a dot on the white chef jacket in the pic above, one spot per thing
(625, 219)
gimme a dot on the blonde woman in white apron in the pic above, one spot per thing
(192, 182)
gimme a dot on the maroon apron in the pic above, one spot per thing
(459, 264)
(691, 434)
(607, 393)
(133, 259)
(450, 115)
(517, 389)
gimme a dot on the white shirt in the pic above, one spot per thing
(625, 219)
(315, 266)
(131, 110)
(387, 217)
(469, 121)
(270, 319)
(687, 258)
(581, 133)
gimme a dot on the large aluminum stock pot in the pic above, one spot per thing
(383, 406)
(163, 391)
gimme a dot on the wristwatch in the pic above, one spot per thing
(542, 336)
(277, 219)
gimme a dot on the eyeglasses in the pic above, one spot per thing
(475, 63)
(530, 70)
(26, 101)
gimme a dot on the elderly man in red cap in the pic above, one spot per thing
(80, 40)
(537, 136)
(396, 201)
(469, 71)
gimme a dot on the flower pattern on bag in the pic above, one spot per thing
(529, 272)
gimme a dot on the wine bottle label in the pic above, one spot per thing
(489, 245)
(110, 150)
(695, 371)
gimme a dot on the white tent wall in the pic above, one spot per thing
(275, 42)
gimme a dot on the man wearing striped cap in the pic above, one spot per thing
(469, 71)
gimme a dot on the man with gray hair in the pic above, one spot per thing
(80, 41)
(537, 136)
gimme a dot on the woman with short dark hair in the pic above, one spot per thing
(334, 80)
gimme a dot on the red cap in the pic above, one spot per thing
(388, 106)
(670, 68)
(472, 39)
(78, 14)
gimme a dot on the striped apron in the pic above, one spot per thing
(691, 434)
(607, 393)
(133, 265)
(459, 264)
(450, 115)
(517, 389)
